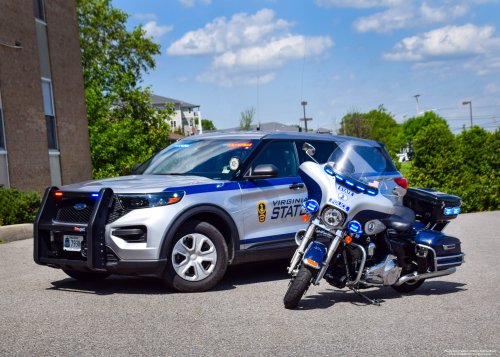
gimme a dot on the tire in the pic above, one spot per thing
(186, 274)
(86, 276)
(298, 287)
(408, 287)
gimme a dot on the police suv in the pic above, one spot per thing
(184, 215)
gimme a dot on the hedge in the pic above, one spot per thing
(466, 165)
(18, 206)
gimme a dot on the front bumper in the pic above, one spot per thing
(105, 253)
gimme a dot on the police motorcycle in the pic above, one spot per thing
(367, 228)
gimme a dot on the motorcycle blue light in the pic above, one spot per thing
(339, 178)
(354, 227)
(360, 188)
(448, 211)
(371, 192)
(311, 205)
(95, 195)
(349, 183)
(329, 171)
(456, 210)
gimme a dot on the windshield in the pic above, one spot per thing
(207, 158)
(362, 161)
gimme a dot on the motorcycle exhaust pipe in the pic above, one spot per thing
(435, 274)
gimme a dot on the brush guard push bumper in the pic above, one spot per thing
(93, 232)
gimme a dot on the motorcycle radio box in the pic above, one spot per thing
(432, 206)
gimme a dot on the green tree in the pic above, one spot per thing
(206, 124)
(413, 125)
(124, 128)
(385, 129)
(247, 118)
(355, 124)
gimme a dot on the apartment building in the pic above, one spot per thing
(44, 136)
(185, 116)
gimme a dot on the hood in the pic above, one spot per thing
(139, 183)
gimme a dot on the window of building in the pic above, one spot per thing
(173, 124)
(50, 119)
(39, 14)
(281, 154)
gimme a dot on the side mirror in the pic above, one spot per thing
(136, 166)
(309, 149)
(266, 171)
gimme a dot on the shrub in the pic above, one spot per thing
(18, 206)
(466, 165)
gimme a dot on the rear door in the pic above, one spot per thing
(272, 206)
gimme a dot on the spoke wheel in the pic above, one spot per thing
(194, 257)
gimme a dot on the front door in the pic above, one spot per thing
(272, 207)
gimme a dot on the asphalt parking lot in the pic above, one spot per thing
(45, 313)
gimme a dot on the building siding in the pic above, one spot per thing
(22, 98)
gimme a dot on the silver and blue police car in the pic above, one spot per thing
(184, 215)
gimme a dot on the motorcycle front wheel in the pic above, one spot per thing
(298, 287)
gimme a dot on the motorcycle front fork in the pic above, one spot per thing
(299, 253)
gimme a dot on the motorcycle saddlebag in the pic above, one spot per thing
(447, 248)
(432, 206)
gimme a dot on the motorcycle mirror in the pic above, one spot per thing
(235, 163)
(310, 150)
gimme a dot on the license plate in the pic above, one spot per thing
(73, 243)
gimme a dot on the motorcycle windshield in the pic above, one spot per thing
(362, 161)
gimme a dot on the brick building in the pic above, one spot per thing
(44, 136)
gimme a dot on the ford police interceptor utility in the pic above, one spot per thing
(184, 215)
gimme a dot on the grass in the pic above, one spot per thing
(405, 168)
(2, 242)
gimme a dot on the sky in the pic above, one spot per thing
(338, 55)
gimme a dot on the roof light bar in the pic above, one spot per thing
(239, 145)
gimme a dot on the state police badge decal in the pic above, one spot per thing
(261, 211)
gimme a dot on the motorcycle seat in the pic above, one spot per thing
(402, 219)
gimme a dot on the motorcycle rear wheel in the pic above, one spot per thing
(298, 287)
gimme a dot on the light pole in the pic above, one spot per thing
(416, 97)
(304, 119)
(470, 107)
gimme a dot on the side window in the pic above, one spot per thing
(281, 154)
(323, 150)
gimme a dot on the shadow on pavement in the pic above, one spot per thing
(331, 296)
(251, 273)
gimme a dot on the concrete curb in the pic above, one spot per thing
(16, 232)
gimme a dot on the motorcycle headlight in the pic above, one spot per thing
(148, 200)
(332, 217)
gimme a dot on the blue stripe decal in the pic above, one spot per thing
(211, 187)
(268, 239)
(233, 185)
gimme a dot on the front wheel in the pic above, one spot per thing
(298, 287)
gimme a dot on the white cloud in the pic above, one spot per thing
(492, 88)
(182, 79)
(336, 78)
(246, 43)
(446, 41)
(359, 3)
(190, 3)
(352, 76)
(407, 15)
(220, 36)
(145, 16)
(152, 29)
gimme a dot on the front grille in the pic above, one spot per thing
(116, 212)
(68, 213)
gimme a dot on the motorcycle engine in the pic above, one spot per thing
(385, 273)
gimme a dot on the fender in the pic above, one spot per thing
(192, 211)
(314, 255)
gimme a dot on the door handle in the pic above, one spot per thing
(296, 185)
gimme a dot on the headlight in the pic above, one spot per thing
(332, 217)
(147, 200)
